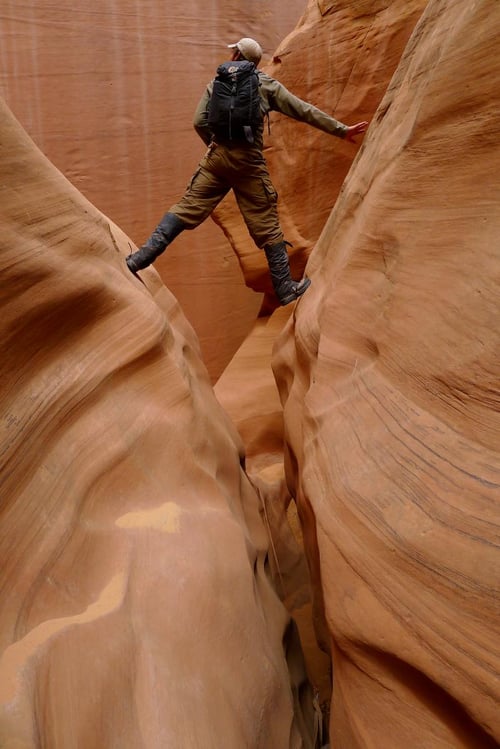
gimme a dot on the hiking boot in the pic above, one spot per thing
(286, 289)
(167, 230)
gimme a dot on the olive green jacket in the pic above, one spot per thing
(275, 97)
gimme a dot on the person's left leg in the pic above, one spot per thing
(286, 289)
(258, 202)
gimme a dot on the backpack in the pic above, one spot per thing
(234, 110)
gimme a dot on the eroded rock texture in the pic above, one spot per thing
(135, 558)
(341, 56)
(136, 607)
(389, 371)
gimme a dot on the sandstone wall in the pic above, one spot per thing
(135, 553)
(136, 608)
(343, 55)
(389, 372)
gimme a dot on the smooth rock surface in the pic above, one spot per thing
(358, 46)
(140, 566)
(136, 605)
(389, 372)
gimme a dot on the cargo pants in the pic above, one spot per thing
(244, 170)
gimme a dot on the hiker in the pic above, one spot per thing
(234, 160)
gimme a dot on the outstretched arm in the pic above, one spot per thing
(354, 130)
(282, 100)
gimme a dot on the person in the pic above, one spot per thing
(240, 165)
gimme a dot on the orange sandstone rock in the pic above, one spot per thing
(136, 606)
(134, 550)
(389, 372)
(341, 57)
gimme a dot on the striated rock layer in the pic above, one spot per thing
(342, 57)
(136, 606)
(112, 442)
(389, 372)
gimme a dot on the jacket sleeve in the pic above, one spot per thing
(200, 120)
(281, 100)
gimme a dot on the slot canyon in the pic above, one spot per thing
(227, 524)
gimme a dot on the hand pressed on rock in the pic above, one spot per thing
(354, 130)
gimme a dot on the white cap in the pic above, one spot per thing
(249, 48)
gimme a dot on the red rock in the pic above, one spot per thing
(136, 605)
(389, 375)
(135, 557)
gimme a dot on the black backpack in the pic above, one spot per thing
(234, 110)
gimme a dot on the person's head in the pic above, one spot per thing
(246, 49)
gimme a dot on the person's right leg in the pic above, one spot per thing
(203, 194)
(167, 230)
